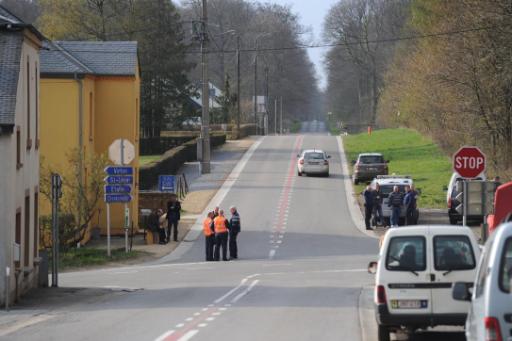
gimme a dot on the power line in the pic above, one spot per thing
(314, 46)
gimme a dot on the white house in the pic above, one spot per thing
(19, 153)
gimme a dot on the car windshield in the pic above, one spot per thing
(368, 159)
(406, 254)
(506, 267)
(386, 189)
(314, 156)
(453, 253)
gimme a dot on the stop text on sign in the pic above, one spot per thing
(469, 161)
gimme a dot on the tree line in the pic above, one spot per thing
(440, 67)
(169, 53)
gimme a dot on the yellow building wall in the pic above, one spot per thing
(117, 116)
(58, 126)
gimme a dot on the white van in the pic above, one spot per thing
(417, 268)
(490, 315)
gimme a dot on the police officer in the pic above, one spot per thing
(377, 205)
(234, 230)
(221, 228)
(395, 202)
(410, 205)
(368, 196)
(209, 236)
(173, 217)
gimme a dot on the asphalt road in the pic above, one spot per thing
(300, 275)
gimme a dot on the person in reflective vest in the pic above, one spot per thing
(221, 228)
(209, 236)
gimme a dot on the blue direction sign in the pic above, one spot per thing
(119, 180)
(113, 189)
(117, 198)
(119, 170)
(166, 183)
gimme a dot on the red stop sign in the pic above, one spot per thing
(469, 162)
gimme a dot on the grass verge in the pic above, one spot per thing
(145, 159)
(295, 127)
(84, 257)
(410, 154)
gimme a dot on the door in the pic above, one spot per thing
(454, 260)
(502, 301)
(405, 281)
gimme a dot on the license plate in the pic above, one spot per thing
(314, 163)
(409, 304)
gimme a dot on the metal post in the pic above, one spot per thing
(465, 204)
(108, 230)
(266, 97)
(238, 84)
(484, 210)
(126, 208)
(275, 116)
(205, 124)
(55, 228)
(255, 99)
(281, 118)
(7, 286)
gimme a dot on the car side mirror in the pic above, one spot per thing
(298, 155)
(460, 292)
(328, 156)
(372, 268)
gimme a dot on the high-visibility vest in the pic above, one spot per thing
(207, 230)
(220, 224)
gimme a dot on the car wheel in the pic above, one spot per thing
(383, 333)
(326, 174)
(299, 173)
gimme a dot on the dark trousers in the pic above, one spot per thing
(395, 215)
(161, 235)
(410, 216)
(209, 245)
(368, 211)
(221, 241)
(233, 247)
(377, 215)
(172, 226)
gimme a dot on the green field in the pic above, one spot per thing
(411, 154)
(145, 159)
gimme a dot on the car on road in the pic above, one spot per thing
(386, 184)
(490, 313)
(313, 161)
(368, 166)
(452, 201)
(416, 270)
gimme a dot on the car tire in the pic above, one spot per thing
(299, 173)
(326, 174)
(383, 333)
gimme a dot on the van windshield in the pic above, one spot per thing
(453, 253)
(406, 254)
(506, 267)
(368, 159)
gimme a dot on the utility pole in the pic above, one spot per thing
(205, 123)
(238, 83)
(281, 118)
(255, 99)
(275, 116)
(266, 99)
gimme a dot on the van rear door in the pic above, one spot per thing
(407, 269)
(454, 259)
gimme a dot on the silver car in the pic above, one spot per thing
(313, 161)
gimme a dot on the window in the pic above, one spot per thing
(453, 253)
(18, 148)
(387, 189)
(17, 236)
(483, 270)
(91, 117)
(26, 239)
(36, 221)
(314, 156)
(505, 277)
(29, 141)
(406, 254)
(37, 107)
(371, 159)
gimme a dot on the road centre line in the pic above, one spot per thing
(245, 292)
(229, 293)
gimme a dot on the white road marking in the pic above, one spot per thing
(202, 325)
(204, 309)
(245, 292)
(190, 334)
(197, 314)
(210, 319)
(179, 325)
(29, 322)
(165, 335)
(217, 313)
(188, 319)
(220, 299)
(222, 309)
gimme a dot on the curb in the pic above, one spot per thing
(353, 206)
(366, 315)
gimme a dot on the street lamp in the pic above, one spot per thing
(255, 100)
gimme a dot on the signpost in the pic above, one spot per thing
(166, 183)
(469, 162)
(118, 183)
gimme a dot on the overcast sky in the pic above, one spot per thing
(312, 14)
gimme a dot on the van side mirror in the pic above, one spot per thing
(328, 156)
(460, 292)
(372, 268)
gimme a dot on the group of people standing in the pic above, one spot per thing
(166, 223)
(219, 232)
(373, 201)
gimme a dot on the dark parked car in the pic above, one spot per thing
(368, 166)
